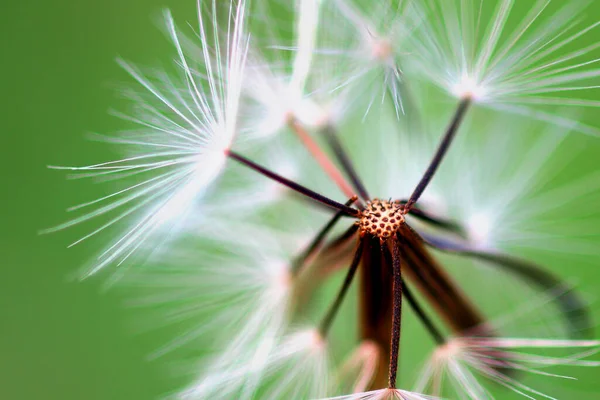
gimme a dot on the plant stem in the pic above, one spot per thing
(349, 211)
(463, 106)
(397, 314)
(343, 158)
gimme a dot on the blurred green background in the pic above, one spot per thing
(60, 339)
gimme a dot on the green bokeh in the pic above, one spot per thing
(60, 339)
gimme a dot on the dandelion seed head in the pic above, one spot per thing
(381, 218)
(277, 104)
(280, 95)
(240, 295)
(248, 314)
(300, 356)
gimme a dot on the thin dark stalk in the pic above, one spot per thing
(326, 323)
(318, 240)
(440, 153)
(397, 315)
(349, 211)
(414, 304)
(346, 163)
(427, 322)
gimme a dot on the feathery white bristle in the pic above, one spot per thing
(238, 297)
(279, 94)
(462, 359)
(178, 151)
(384, 394)
(366, 46)
(528, 70)
(275, 100)
(357, 372)
(503, 203)
(298, 357)
(306, 33)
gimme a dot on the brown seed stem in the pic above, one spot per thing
(463, 106)
(345, 161)
(397, 314)
(349, 211)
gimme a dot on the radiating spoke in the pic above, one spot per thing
(345, 161)
(318, 240)
(397, 315)
(349, 211)
(440, 153)
(326, 323)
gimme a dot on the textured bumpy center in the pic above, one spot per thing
(381, 218)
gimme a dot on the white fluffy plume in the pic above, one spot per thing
(177, 149)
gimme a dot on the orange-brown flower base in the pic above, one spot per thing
(381, 218)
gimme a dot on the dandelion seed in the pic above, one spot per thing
(279, 94)
(281, 100)
(507, 204)
(363, 51)
(236, 289)
(179, 149)
(299, 357)
(460, 359)
(360, 368)
(527, 71)
(368, 45)
(308, 352)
